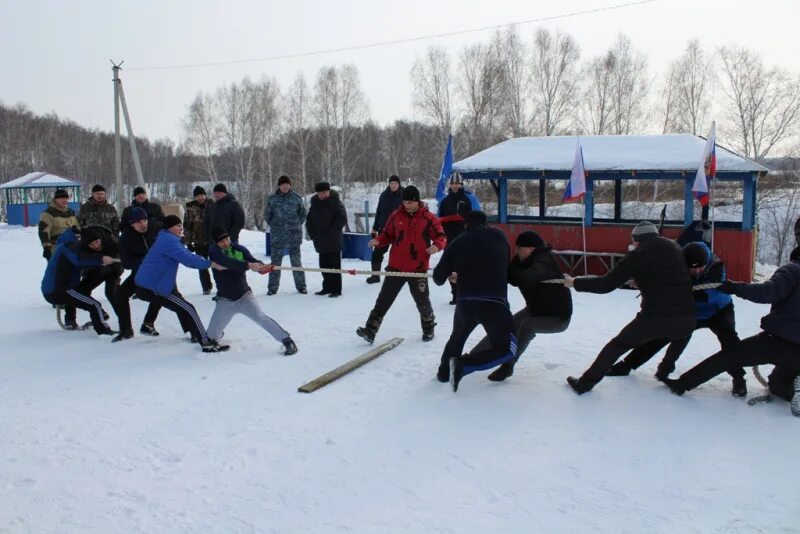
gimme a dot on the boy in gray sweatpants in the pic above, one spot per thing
(235, 296)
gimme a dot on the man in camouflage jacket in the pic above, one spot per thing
(96, 211)
(194, 231)
(285, 213)
(53, 221)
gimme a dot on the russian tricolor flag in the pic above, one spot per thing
(576, 187)
(707, 169)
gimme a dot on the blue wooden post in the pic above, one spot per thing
(688, 202)
(749, 202)
(502, 200)
(588, 203)
(366, 216)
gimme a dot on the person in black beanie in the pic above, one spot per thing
(548, 307)
(96, 211)
(194, 232)
(477, 262)
(390, 200)
(659, 271)
(451, 212)
(154, 212)
(324, 223)
(226, 213)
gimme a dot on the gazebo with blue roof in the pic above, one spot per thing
(28, 196)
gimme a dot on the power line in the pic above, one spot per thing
(394, 42)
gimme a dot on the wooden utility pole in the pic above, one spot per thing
(119, 98)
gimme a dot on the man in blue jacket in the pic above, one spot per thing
(235, 296)
(155, 279)
(713, 310)
(778, 343)
(63, 274)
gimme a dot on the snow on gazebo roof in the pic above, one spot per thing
(39, 179)
(675, 153)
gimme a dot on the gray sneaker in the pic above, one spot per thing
(796, 398)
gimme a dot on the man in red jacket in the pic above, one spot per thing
(415, 234)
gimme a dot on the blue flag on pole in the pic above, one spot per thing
(447, 169)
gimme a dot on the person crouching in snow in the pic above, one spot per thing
(155, 279)
(415, 234)
(63, 274)
(479, 259)
(235, 296)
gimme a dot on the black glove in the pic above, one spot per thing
(727, 287)
(47, 253)
(190, 246)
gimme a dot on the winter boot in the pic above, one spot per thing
(796, 398)
(148, 330)
(443, 373)
(106, 316)
(621, 368)
(71, 325)
(427, 327)
(271, 292)
(374, 279)
(501, 373)
(289, 347)
(370, 330)
(739, 387)
(122, 336)
(213, 346)
(675, 385)
(577, 386)
(107, 332)
(456, 372)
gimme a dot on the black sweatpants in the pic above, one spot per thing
(420, 292)
(205, 275)
(377, 257)
(92, 278)
(641, 330)
(187, 315)
(495, 318)
(759, 349)
(72, 298)
(123, 306)
(722, 324)
(781, 381)
(331, 282)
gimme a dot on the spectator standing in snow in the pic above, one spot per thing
(477, 261)
(96, 211)
(548, 307)
(324, 223)
(235, 296)
(390, 200)
(659, 271)
(451, 212)
(155, 279)
(54, 220)
(713, 310)
(194, 231)
(225, 212)
(140, 200)
(285, 213)
(414, 234)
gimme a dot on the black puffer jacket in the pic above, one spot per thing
(387, 203)
(659, 270)
(225, 213)
(133, 246)
(541, 299)
(325, 221)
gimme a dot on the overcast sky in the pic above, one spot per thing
(54, 55)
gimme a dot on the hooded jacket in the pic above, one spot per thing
(410, 234)
(159, 268)
(65, 265)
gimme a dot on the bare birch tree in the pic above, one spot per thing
(597, 104)
(432, 80)
(480, 80)
(686, 92)
(554, 79)
(298, 115)
(515, 83)
(629, 88)
(202, 134)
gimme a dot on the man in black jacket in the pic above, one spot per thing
(134, 243)
(225, 212)
(324, 222)
(659, 271)
(451, 212)
(140, 200)
(778, 343)
(107, 274)
(390, 200)
(548, 307)
(235, 295)
(477, 262)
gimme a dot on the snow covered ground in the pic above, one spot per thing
(150, 435)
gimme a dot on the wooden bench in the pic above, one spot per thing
(572, 259)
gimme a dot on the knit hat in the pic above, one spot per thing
(474, 218)
(198, 190)
(136, 215)
(91, 234)
(394, 178)
(97, 187)
(139, 190)
(284, 180)
(322, 186)
(530, 239)
(220, 188)
(644, 230)
(411, 193)
(61, 193)
(218, 234)
(170, 221)
(456, 178)
(696, 254)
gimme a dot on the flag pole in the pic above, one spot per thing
(583, 231)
